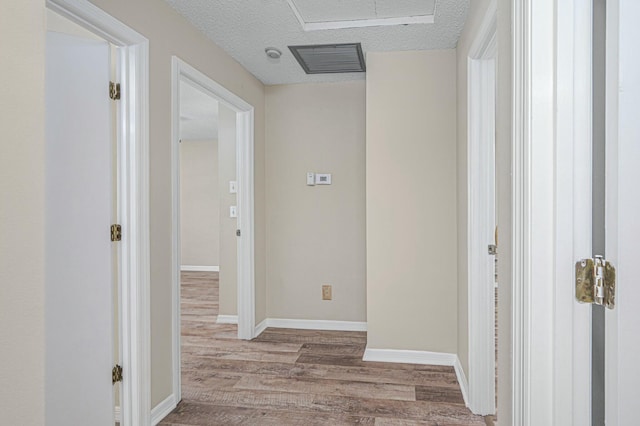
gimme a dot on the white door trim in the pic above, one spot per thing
(622, 203)
(573, 186)
(133, 202)
(551, 211)
(481, 66)
(245, 171)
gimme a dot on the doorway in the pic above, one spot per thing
(234, 148)
(96, 287)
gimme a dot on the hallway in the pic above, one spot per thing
(296, 377)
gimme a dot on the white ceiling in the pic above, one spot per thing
(244, 28)
(198, 114)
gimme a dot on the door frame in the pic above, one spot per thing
(245, 200)
(551, 211)
(133, 202)
(481, 217)
(622, 201)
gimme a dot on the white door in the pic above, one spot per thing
(78, 303)
(622, 352)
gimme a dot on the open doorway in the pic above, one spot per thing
(96, 155)
(208, 214)
(213, 256)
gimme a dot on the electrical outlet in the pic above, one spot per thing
(326, 292)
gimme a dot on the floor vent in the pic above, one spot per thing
(330, 58)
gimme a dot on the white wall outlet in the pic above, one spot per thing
(233, 187)
(311, 178)
(233, 211)
(323, 178)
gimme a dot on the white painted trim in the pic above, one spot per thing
(117, 414)
(551, 211)
(195, 268)
(133, 141)
(485, 43)
(622, 345)
(462, 380)
(571, 323)
(181, 71)
(227, 319)
(316, 324)
(409, 357)
(421, 357)
(260, 328)
(481, 208)
(245, 221)
(358, 23)
(163, 409)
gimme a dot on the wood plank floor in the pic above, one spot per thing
(299, 377)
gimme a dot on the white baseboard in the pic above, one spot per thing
(227, 319)
(462, 380)
(421, 357)
(195, 268)
(116, 414)
(163, 409)
(316, 324)
(260, 328)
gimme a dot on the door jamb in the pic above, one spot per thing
(133, 209)
(551, 211)
(481, 66)
(245, 220)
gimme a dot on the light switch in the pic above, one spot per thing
(311, 178)
(233, 187)
(233, 211)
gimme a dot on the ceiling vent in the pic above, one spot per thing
(330, 58)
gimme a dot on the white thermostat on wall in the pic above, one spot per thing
(323, 178)
(311, 178)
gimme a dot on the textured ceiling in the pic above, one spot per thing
(244, 28)
(198, 114)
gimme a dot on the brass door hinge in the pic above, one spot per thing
(114, 90)
(116, 232)
(596, 282)
(116, 374)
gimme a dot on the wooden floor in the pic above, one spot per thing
(299, 377)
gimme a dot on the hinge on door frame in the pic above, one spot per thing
(114, 90)
(116, 232)
(596, 282)
(116, 374)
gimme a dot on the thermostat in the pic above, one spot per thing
(323, 178)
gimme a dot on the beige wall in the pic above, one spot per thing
(199, 203)
(170, 34)
(316, 234)
(228, 294)
(22, 43)
(475, 16)
(22, 37)
(411, 201)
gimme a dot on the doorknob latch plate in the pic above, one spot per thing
(596, 282)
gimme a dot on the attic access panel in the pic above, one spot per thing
(330, 58)
(313, 11)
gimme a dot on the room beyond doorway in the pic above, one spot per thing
(239, 130)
